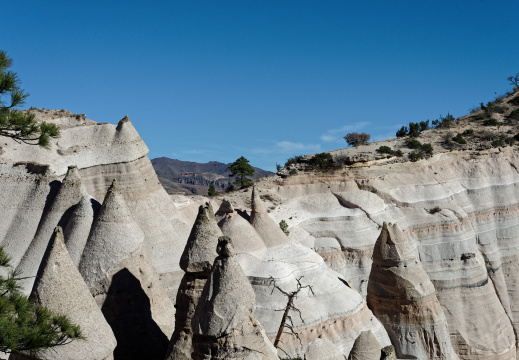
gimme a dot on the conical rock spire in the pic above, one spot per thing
(397, 281)
(60, 287)
(224, 323)
(114, 236)
(69, 194)
(200, 250)
(245, 238)
(78, 227)
(264, 225)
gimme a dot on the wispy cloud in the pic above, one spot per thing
(336, 135)
(290, 147)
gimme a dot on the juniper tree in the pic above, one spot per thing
(24, 325)
(21, 126)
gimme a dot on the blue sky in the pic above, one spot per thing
(216, 80)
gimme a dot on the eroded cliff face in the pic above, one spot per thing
(460, 209)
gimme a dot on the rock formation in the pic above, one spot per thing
(124, 282)
(285, 262)
(60, 288)
(78, 227)
(322, 349)
(403, 298)
(197, 261)
(224, 323)
(69, 194)
(459, 209)
(267, 229)
(366, 347)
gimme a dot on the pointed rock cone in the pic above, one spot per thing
(366, 347)
(403, 298)
(236, 227)
(78, 227)
(114, 236)
(69, 194)
(200, 250)
(264, 225)
(224, 323)
(125, 284)
(197, 261)
(60, 287)
(125, 130)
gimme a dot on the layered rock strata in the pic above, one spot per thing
(224, 323)
(460, 209)
(30, 177)
(326, 313)
(197, 261)
(124, 282)
(60, 287)
(403, 298)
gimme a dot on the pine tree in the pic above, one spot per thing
(241, 169)
(212, 190)
(21, 126)
(24, 325)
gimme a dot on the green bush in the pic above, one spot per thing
(514, 115)
(284, 227)
(321, 161)
(414, 144)
(514, 101)
(459, 139)
(416, 155)
(427, 149)
(294, 160)
(468, 132)
(385, 150)
(414, 129)
(444, 122)
(498, 143)
(402, 132)
(492, 122)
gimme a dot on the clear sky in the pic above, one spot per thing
(216, 80)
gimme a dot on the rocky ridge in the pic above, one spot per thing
(458, 209)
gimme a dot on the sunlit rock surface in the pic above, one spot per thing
(224, 324)
(459, 209)
(403, 298)
(330, 309)
(197, 262)
(60, 287)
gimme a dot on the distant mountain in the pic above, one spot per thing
(188, 177)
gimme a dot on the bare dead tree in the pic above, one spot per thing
(286, 320)
(514, 80)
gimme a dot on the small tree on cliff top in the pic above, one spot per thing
(20, 126)
(242, 169)
(25, 326)
(356, 139)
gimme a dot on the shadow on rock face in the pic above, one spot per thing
(127, 310)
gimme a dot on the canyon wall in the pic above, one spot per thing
(458, 211)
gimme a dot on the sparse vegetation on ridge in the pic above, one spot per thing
(491, 124)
